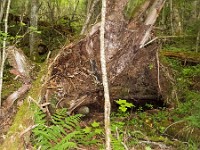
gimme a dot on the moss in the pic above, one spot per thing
(23, 118)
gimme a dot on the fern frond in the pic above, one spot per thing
(65, 142)
(63, 133)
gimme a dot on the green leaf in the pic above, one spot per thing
(22, 24)
(98, 131)
(123, 109)
(87, 129)
(129, 105)
(120, 102)
(95, 124)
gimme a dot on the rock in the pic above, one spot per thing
(84, 110)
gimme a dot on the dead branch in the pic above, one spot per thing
(21, 68)
(17, 94)
(28, 129)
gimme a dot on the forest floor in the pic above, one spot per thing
(145, 127)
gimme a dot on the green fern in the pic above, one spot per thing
(64, 132)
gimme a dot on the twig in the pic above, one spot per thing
(150, 41)
(158, 72)
(126, 148)
(173, 124)
(28, 129)
(40, 106)
(48, 55)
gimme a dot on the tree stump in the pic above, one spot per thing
(74, 77)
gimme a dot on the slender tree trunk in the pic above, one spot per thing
(34, 25)
(107, 105)
(51, 11)
(197, 41)
(3, 54)
(3, 3)
(171, 17)
(178, 27)
(89, 15)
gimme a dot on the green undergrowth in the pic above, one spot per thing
(186, 115)
(24, 117)
(63, 132)
(128, 130)
(180, 44)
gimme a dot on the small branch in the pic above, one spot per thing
(126, 148)
(28, 129)
(40, 106)
(151, 41)
(173, 124)
(158, 70)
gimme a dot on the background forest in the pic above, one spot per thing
(41, 29)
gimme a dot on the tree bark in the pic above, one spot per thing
(34, 26)
(107, 105)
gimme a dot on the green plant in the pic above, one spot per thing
(149, 106)
(64, 132)
(123, 105)
(118, 130)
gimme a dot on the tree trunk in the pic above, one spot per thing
(107, 105)
(33, 29)
(3, 3)
(3, 53)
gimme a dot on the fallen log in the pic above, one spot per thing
(191, 57)
(22, 69)
(74, 77)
